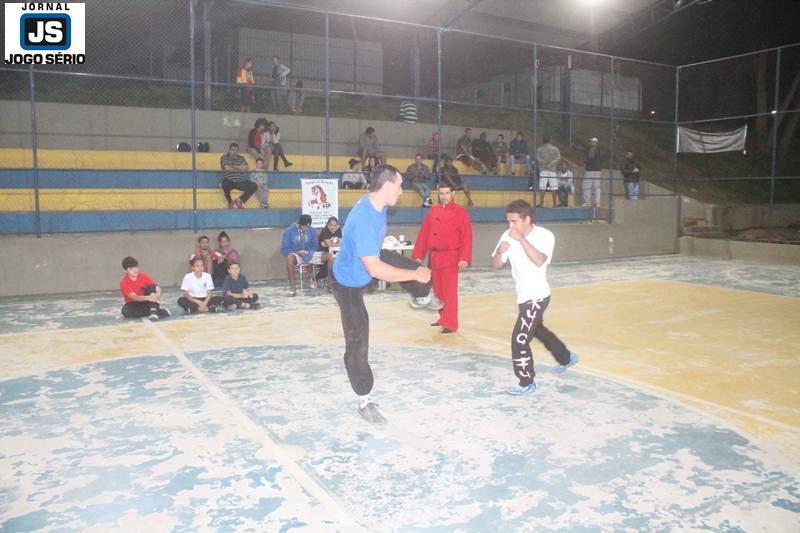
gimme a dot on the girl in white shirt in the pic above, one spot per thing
(197, 286)
(529, 248)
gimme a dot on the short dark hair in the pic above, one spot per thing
(259, 159)
(501, 135)
(444, 183)
(129, 262)
(467, 129)
(201, 237)
(522, 208)
(195, 259)
(380, 175)
(369, 130)
(332, 218)
(232, 145)
(353, 162)
(234, 263)
(221, 235)
(304, 220)
(417, 155)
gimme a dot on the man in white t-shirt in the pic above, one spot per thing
(529, 248)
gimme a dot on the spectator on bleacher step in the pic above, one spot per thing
(484, 152)
(236, 292)
(274, 140)
(418, 177)
(464, 152)
(297, 97)
(631, 174)
(260, 177)
(449, 174)
(355, 179)
(209, 256)
(247, 89)
(279, 82)
(566, 183)
(368, 147)
(432, 151)
(549, 158)
(233, 168)
(519, 151)
(140, 292)
(227, 256)
(298, 245)
(257, 137)
(591, 176)
(501, 151)
(197, 288)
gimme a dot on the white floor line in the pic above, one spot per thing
(336, 510)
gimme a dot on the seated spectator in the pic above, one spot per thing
(519, 151)
(484, 152)
(140, 292)
(236, 292)
(501, 151)
(206, 254)
(297, 97)
(298, 246)
(566, 184)
(247, 89)
(449, 174)
(227, 256)
(408, 112)
(549, 158)
(464, 152)
(418, 176)
(355, 179)
(329, 236)
(274, 141)
(233, 168)
(197, 287)
(432, 151)
(368, 147)
(630, 174)
(261, 179)
(257, 138)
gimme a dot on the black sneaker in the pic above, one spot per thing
(212, 308)
(164, 312)
(371, 414)
(435, 324)
(447, 331)
(255, 305)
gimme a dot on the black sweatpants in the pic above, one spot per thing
(232, 300)
(140, 309)
(249, 188)
(191, 307)
(530, 324)
(355, 321)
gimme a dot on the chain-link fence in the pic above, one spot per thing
(196, 75)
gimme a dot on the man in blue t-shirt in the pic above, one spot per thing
(360, 259)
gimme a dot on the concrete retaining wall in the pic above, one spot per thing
(85, 262)
(765, 252)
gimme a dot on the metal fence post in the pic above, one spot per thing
(612, 123)
(35, 155)
(675, 178)
(192, 75)
(776, 117)
(438, 159)
(535, 120)
(327, 94)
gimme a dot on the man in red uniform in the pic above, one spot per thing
(447, 234)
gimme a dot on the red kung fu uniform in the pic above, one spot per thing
(447, 234)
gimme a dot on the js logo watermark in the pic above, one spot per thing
(45, 33)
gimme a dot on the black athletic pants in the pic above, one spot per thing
(530, 324)
(140, 309)
(355, 321)
(191, 307)
(249, 188)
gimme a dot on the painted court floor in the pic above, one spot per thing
(683, 414)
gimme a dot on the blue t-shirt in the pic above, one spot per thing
(235, 285)
(362, 237)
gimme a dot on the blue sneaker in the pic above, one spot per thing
(519, 390)
(573, 360)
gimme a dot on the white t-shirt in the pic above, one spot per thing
(530, 280)
(197, 287)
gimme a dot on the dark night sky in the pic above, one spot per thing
(718, 28)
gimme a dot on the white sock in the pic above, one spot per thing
(363, 401)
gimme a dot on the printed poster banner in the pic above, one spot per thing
(711, 142)
(320, 197)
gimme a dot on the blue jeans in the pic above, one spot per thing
(632, 190)
(423, 189)
(513, 160)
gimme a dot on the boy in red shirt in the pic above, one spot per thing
(140, 292)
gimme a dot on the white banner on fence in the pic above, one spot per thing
(320, 197)
(708, 142)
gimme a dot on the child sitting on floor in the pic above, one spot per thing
(236, 291)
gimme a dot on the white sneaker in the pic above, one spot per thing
(153, 316)
(435, 303)
(419, 303)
